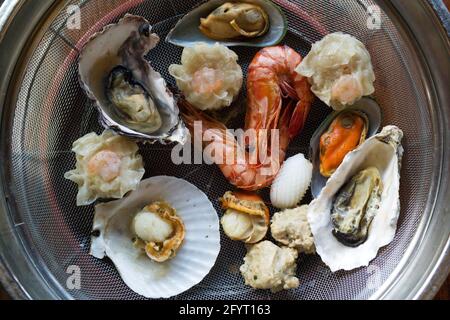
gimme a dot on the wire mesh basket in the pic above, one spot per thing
(49, 111)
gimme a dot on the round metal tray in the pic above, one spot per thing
(43, 110)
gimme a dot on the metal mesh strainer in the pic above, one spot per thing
(51, 112)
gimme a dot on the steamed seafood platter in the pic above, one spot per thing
(163, 237)
(163, 234)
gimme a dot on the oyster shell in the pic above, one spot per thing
(119, 49)
(369, 110)
(187, 32)
(113, 234)
(383, 152)
(246, 217)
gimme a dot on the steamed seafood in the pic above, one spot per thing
(347, 131)
(252, 23)
(291, 183)
(163, 237)
(291, 228)
(355, 206)
(209, 76)
(159, 231)
(267, 266)
(332, 140)
(132, 98)
(246, 217)
(108, 166)
(356, 213)
(235, 20)
(278, 98)
(339, 69)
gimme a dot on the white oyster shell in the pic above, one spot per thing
(196, 256)
(383, 151)
(125, 44)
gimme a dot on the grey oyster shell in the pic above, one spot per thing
(124, 45)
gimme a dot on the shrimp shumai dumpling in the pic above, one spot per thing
(108, 166)
(209, 76)
(339, 69)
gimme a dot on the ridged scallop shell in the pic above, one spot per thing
(292, 182)
(194, 259)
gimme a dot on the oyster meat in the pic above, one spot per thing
(132, 98)
(235, 20)
(356, 213)
(246, 217)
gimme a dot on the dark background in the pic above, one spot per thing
(443, 294)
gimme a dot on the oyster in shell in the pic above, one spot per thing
(357, 211)
(131, 96)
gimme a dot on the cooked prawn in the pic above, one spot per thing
(105, 164)
(279, 101)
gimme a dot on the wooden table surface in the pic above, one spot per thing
(443, 294)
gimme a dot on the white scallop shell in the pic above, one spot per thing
(384, 152)
(292, 182)
(194, 259)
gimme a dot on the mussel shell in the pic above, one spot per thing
(367, 106)
(186, 32)
(133, 87)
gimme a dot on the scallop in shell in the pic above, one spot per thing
(115, 229)
(357, 211)
(131, 96)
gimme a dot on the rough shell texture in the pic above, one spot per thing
(292, 182)
(125, 44)
(384, 152)
(193, 261)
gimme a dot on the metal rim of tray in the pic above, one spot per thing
(425, 264)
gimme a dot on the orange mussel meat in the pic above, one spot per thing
(347, 131)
